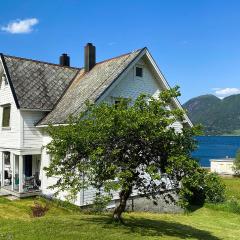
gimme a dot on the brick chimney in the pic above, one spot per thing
(64, 60)
(89, 56)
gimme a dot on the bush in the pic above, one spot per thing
(236, 164)
(39, 210)
(192, 191)
(100, 203)
(214, 188)
(200, 187)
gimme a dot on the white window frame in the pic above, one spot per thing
(2, 110)
(138, 66)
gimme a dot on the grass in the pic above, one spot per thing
(70, 223)
(233, 187)
(232, 203)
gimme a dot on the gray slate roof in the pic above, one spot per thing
(35, 84)
(88, 86)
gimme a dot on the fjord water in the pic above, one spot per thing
(214, 147)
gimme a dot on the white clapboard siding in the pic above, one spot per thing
(32, 136)
(9, 138)
(129, 87)
(46, 182)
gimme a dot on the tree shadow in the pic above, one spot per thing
(149, 227)
(194, 208)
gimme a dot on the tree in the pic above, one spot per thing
(123, 147)
(236, 164)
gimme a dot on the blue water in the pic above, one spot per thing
(212, 147)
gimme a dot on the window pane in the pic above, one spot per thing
(139, 72)
(6, 116)
(5, 80)
(117, 102)
(6, 158)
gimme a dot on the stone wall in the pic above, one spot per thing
(146, 205)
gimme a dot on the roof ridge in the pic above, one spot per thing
(106, 80)
(78, 68)
(122, 55)
(39, 61)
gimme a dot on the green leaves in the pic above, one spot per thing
(236, 165)
(122, 147)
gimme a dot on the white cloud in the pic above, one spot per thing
(20, 26)
(224, 92)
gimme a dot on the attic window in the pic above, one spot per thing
(4, 79)
(116, 103)
(139, 71)
(6, 116)
(121, 101)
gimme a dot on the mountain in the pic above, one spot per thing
(218, 116)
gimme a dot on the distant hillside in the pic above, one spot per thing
(217, 116)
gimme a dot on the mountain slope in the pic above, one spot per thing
(217, 116)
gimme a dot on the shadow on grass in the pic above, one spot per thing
(148, 227)
(194, 208)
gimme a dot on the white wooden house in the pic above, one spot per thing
(34, 94)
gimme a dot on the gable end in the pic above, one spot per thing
(9, 80)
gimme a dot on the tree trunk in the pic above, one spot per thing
(124, 195)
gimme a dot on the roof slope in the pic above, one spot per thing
(88, 86)
(35, 84)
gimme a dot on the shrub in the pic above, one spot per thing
(100, 203)
(214, 188)
(39, 210)
(236, 164)
(200, 187)
(192, 190)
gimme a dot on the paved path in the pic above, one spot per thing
(3, 192)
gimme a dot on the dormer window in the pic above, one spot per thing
(6, 116)
(4, 79)
(139, 72)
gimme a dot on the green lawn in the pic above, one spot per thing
(233, 187)
(63, 223)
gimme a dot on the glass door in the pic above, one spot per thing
(7, 170)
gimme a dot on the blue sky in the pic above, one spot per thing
(196, 43)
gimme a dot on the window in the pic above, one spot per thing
(116, 103)
(6, 157)
(6, 116)
(123, 102)
(3, 79)
(139, 72)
